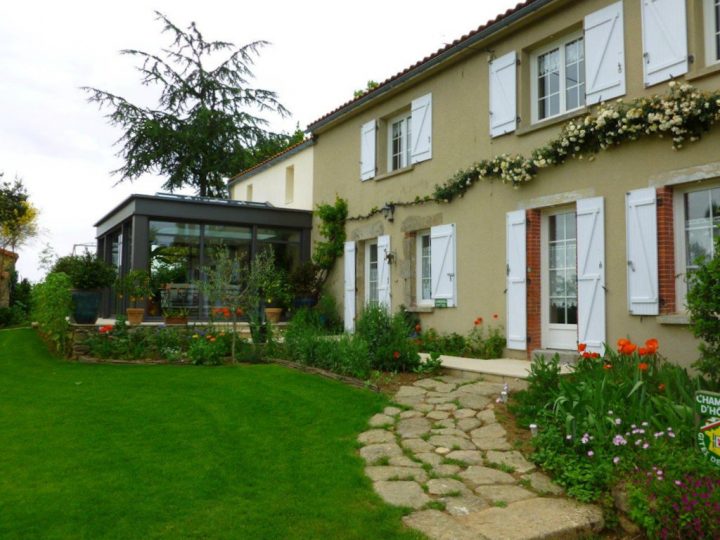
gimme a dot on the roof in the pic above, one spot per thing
(462, 43)
(8, 254)
(269, 162)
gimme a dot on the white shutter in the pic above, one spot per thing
(516, 281)
(642, 260)
(367, 150)
(421, 129)
(503, 113)
(442, 264)
(349, 304)
(591, 273)
(664, 27)
(604, 54)
(383, 284)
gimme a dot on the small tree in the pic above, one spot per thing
(703, 301)
(203, 127)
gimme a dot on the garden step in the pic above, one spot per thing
(503, 369)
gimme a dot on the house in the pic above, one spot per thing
(285, 180)
(7, 265)
(589, 250)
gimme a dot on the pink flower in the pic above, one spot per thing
(616, 460)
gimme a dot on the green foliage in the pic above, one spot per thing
(483, 341)
(703, 302)
(86, 271)
(135, 285)
(329, 314)
(431, 365)
(371, 85)
(387, 339)
(20, 293)
(203, 129)
(18, 217)
(207, 350)
(52, 304)
(332, 228)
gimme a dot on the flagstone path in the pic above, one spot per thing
(445, 456)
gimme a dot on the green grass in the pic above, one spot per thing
(250, 451)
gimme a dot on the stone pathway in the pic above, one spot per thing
(445, 456)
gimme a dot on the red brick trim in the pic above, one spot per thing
(532, 258)
(666, 249)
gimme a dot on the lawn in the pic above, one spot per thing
(248, 451)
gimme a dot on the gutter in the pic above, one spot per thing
(440, 58)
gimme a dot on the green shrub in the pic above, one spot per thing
(703, 302)
(13, 315)
(483, 341)
(206, 349)
(387, 337)
(329, 314)
(85, 271)
(52, 304)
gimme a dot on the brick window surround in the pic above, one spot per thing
(533, 219)
(666, 250)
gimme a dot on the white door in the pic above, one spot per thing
(559, 283)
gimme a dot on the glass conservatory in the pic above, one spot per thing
(175, 236)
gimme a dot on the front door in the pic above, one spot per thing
(559, 279)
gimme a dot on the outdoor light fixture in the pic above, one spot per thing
(388, 211)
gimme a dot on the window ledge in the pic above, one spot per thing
(674, 318)
(551, 121)
(704, 71)
(420, 309)
(392, 174)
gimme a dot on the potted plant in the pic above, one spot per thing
(305, 284)
(88, 275)
(175, 315)
(276, 294)
(135, 286)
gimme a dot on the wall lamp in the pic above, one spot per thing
(388, 211)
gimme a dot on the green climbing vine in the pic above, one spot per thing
(332, 228)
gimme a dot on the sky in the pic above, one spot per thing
(63, 147)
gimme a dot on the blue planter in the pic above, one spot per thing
(87, 305)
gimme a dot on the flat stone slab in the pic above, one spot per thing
(417, 446)
(446, 486)
(506, 494)
(410, 401)
(428, 384)
(482, 389)
(402, 493)
(440, 400)
(446, 470)
(412, 413)
(492, 444)
(444, 388)
(464, 413)
(403, 461)
(392, 411)
(380, 420)
(535, 519)
(431, 458)
(375, 452)
(457, 443)
(376, 436)
(483, 476)
(542, 484)
(468, 424)
(464, 505)
(487, 416)
(491, 431)
(473, 401)
(450, 431)
(446, 407)
(438, 525)
(447, 423)
(471, 457)
(512, 459)
(438, 415)
(412, 428)
(396, 473)
(458, 379)
(410, 391)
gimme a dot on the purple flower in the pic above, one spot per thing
(645, 446)
(616, 460)
(591, 453)
(619, 440)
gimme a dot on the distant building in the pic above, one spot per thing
(7, 265)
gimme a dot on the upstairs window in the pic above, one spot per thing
(712, 31)
(558, 78)
(399, 142)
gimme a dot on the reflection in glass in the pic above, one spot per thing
(702, 224)
(562, 267)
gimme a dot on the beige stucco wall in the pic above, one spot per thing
(460, 137)
(269, 184)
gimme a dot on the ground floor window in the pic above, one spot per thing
(371, 273)
(424, 269)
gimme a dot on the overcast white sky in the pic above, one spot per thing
(62, 147)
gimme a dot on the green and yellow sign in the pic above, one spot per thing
(707, 406)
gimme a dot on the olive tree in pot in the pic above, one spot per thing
(135, 286)
(89, 275)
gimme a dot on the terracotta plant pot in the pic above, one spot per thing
(272, 314)
(176, 320)
(135, 315)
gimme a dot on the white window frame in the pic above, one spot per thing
(368, 246)
(560, 45)
(419, 300)
(710, 30)
(405, 121)
(679, 193)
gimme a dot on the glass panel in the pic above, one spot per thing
(373, 274)
(562, 272)
(174, 265)
(236, 240)
(426, 269)
(574, 74)
(557, 283)
(557, 311)
(697, 208)
(278, 235)
(699, 243)
(549, 84)
(571, 316)
(408, 139)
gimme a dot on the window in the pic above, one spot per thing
(424, 270)
(371, 273)
(558, 75)
(289, 184)
(249, 193)
(697, 227)
(712, 31)
(399, 137)
(562, 268)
